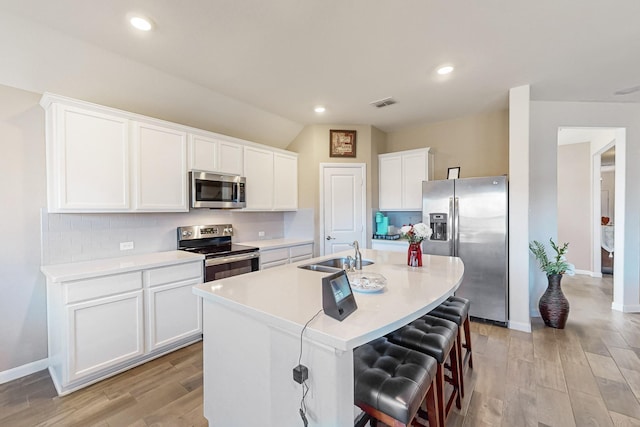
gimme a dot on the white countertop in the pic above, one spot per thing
(101, 267)
(276, 243)
(288, 297)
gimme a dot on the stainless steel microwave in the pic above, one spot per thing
(217, 191)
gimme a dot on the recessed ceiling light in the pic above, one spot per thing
(142, 24)
(319, 109)
(445, 70)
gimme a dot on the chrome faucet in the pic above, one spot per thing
(358, 256)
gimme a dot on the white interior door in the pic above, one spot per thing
(343, 206)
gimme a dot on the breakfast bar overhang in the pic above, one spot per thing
(252, 337)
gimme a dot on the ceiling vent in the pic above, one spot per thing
(383, 102)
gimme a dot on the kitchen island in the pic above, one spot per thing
(252, 337)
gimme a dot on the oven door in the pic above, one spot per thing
(232, 265)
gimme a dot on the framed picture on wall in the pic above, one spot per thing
(342, 143)
(453, 173)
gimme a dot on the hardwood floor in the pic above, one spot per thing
(585, 375)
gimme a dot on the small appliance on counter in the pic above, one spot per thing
(382, 224)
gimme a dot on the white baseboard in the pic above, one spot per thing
(586, 273)
(632, 308)
(520, 326)
(23, 371)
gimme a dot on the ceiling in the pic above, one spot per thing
(283, 57)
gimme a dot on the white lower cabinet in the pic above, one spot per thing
(105, 324)
(275, 257)
(104, 333)
(173, 311)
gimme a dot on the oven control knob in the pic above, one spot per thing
(228, 230)
(187, 233)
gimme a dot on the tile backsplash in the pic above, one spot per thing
(83, 237)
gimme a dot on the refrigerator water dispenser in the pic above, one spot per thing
(438, 223)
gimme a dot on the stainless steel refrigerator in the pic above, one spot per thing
(469, 219)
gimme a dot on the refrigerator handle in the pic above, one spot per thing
(456, 226)
(451, 229)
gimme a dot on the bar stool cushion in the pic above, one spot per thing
(428, 334)
(391, 378)
(455, 309)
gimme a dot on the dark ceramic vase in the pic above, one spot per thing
(553, 305)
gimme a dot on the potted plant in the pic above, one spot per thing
(553, 305)
(415, 234)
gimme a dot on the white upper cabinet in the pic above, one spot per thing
(272, 179)
(285, 182)
(160, 170)
(203, 153)
(230, 158)
(87, 160)
(101, 159)
(258, 166)
(400, 178)
(215, 155)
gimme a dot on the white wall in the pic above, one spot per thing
(23, 327)
(574, 203)
(546, 119)
(519, 261)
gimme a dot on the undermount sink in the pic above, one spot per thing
(321, 268)
(339, 262)
(331, 265)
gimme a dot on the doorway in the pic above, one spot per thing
(342, 206)
(580, 199)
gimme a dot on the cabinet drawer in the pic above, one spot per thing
(301, 258)
(296, 251)
(265, 266)
(82, 290)
(173, 273)
(272, 255)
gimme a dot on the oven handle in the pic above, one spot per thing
(228, 259)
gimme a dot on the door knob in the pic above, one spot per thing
(331, 238)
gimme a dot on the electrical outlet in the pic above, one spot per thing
(260, 233)
(126, 246)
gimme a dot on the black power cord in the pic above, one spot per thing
(305, 387)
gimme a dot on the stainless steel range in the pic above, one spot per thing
(222, 257)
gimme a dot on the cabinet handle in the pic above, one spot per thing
(331, 238)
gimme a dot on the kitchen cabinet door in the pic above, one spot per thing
(258, 168)
(88, 160)
(414, 171)
(400, 179)
(103, 333)
(160, 155)
(173, 313)
(285, 182)
(203, 153)
(390, 181)
(230, 157)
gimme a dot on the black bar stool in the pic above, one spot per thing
(435, 337)
(456, 309)
(392, 382)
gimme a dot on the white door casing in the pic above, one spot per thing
(342, 206)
